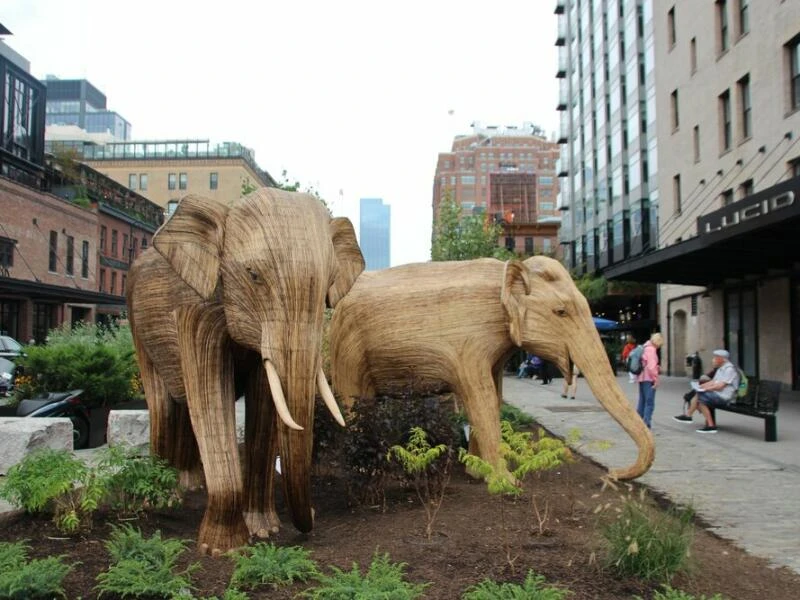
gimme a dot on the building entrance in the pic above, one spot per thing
(741, 328)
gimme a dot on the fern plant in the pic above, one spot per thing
(144, 567)
(267, 564)
(22, 579)
(416, 458)
(55, 481)
(384, 580)
(138, 482)
(532, 588)
(671, 594)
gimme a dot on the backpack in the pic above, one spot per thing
(741, 391)
(634, 363)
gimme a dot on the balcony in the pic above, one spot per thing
(563, 132)
(561, 72)
(563, 95)
(560, 6)
(561, 37)
(562, 167)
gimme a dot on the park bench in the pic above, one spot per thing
(761, 401)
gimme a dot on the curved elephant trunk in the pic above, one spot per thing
(605, 388)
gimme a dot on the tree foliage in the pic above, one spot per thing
(463, 237)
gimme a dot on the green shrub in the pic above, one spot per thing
(97, 359)
(138, 482)
(532, 589)
(55, 481)
(373, 427)
(142, 568)
(21, 579)
(647, 543)
(515, 416)
(267, 564)
(230, 594)
(671, 594)
(384, 580)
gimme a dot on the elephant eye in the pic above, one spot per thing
(561, 312)
(252, 273)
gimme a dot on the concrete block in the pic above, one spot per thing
(130, 428)
(19, 436)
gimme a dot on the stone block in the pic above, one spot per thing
(129, 428)
(19, 436)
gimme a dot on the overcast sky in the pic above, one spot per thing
(357, 97)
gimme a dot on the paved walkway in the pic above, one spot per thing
(748, 490)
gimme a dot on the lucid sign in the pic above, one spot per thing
(743, 211)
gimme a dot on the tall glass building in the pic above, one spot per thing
(374, 233)
(607, 98)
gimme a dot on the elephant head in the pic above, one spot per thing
(548, 316)
(273, 259)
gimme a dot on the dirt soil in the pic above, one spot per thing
(468, 545)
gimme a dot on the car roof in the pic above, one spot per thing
(9, 343)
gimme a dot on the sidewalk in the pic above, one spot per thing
(747, 489)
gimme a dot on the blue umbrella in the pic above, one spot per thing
(604, 324)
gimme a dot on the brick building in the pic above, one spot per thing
(508, 174)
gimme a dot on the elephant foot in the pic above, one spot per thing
(192, 480)
(215, 539)
(261, 525)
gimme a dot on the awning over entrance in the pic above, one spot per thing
(755, 237)
(43, 291)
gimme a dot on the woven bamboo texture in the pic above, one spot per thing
(238, 291)
(453, 324)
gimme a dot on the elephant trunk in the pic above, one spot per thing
(605, 388)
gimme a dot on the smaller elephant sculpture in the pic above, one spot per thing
(237, 292)
(454, 324)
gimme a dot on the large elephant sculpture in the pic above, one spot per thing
(454, 324)
(235, 293)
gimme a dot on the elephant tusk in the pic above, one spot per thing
(327, 397)
(277, 396)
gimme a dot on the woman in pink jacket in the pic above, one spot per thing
(648, 378)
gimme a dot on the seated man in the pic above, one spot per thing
(717, 392)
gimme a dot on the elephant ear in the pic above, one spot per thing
(191, 242)
(516, 284)
(349, 260)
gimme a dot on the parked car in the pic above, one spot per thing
(9, 347)
(7, 369)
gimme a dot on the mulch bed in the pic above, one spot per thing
(468, 545)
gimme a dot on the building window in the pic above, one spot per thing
(696, 143)
(125, 254)
(794, 72)
(172, 181)
(135, 248)
(744, 17)
(746, 189)
(528, 245)
(546, 245)
(694, 305)
(725, 120)
(510, 243)
(70, 255)
(722, 23)
(113, 282)
(103, 236)
(53, 258)
(183, 179)
(676, 121)
(727, 197)
(171, 206)
(794, 167)
(693, 55)
(113, 242)
(468, 180)
(122, 287)
(6, 254)
(671, 27)
(213, 181)
(143, 181)
(102, 280)
(133, 180)
(144, 243)
(746, 107)
(85, 260)
(676, 194)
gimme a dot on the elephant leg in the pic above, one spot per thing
(478, 392)
(208, 379)
(171, 435)
(260, 451)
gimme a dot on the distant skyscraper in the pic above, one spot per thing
(374, 233)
